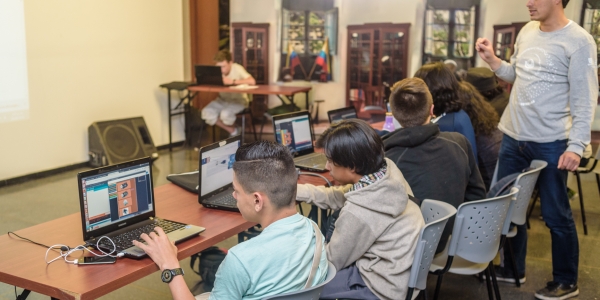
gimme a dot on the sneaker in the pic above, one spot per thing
(235, 132)
(503, 275)
(557, 291)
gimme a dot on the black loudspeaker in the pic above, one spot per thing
(116, 141)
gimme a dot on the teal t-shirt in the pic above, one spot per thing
(275, 262)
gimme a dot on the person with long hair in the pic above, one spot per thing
(448, 109)
(488, 137)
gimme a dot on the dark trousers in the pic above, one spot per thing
(515, 156)
(347, 284)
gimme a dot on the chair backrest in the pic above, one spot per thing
(525, 182)
(436, 215)
(478, 227)
(309, 293)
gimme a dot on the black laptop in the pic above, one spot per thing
(341, 114)
(216, 174)
(208, 75)
(294, 130)
(118, 202)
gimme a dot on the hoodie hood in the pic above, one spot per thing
(411, 137)
(385, 191)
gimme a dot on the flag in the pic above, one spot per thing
(323, 59)
(292, 60)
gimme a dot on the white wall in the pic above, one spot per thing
(89, 61)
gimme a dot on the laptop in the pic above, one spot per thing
(118, 202)
(215, 185)
(294, 130)
(341, 114)
(208, 75)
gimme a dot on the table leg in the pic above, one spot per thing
(169, 110)
(23, 295)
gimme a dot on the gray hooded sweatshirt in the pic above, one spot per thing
(378, 228)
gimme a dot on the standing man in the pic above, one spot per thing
(222, 111)
(549, 117)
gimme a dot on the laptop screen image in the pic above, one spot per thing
(217, 167)
(294, 132)
(341, 114)
(115, 196)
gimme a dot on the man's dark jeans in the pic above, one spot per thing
(515, 156)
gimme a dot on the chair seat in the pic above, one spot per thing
(459, 265)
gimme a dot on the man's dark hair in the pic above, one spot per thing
(268, 168)
(564, 3)
(353, 144)
(223, 55)
(410, 102)
(443, 87)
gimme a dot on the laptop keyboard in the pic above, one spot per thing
(124, 240)
(225, 200)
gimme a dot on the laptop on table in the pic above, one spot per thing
(118, 202)
(341, 114)
(215, 186)
(294, 130)
(208, 75)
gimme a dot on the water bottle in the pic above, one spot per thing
(389, 122)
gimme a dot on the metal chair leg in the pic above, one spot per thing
(489, 284)
(409, 293)
(494, 280)
(438, 286)
(243, 133)
(508, 245)
(585, 231)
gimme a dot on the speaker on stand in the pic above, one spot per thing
(117, 141)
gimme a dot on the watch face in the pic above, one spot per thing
(166, 276)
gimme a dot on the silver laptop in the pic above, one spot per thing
(216, 174)
(118, 202)
(294, 130)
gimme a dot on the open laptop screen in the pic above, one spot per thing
(341, 114)
(117, 195)
(294, 132)
(217, 167)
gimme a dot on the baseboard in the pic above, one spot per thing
(42, 174)
(48, 173)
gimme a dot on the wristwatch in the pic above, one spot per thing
(167, 275)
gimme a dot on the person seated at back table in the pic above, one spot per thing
(275, 262)
(376, 233)
(222, 111)
(448, 108)
(437, 165)
(484, 80)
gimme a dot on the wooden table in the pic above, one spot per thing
(270, 89)
(22, 263)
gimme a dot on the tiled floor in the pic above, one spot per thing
(42, 200)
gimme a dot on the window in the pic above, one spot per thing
(306, 26)
(591, 22)
(450, 33)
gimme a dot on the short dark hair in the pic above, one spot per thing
(443, 87)
(223, 55)
(564, 3)
(267, 167)
(353, 144)
(410, 102)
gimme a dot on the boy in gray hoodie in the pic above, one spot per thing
(376, 233)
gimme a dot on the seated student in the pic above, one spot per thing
(222, 111)
(443, 86)
(437, 165)
(375, 235)
(484, 80)
(279, 259)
